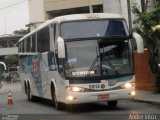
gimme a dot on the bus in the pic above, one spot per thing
(79, 58)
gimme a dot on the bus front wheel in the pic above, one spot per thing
(112, 103)
(57, 105)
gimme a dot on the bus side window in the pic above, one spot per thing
(59, 61)
(43, 40)
(25, 45)
(28, 42)
(20, 47)
(51, 61)
(33, 43)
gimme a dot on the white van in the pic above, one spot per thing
(14, 74)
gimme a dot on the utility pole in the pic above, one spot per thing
(90, 6)
(129, 15)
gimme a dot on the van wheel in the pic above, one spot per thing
(57, 105)
(112, 103)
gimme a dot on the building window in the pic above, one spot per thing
(97, 8)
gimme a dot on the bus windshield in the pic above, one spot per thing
(98, 58)
(93, 28)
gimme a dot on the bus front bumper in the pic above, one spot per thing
(88, 97)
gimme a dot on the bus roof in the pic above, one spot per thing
(81, 17)
(76, 17)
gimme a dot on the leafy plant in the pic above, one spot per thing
(11, 60)
(147, 21)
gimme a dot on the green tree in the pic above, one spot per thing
(11, 60)
(147, 20)
(21, 32)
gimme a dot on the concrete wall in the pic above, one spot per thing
(38, 8)
(9, 51)
(36, 12)
(51, 5)
(116, 6)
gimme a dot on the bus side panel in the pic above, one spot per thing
(22, 62)
(49, 72)
(30, 71)
(59, 85)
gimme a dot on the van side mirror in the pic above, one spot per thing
(61, 47)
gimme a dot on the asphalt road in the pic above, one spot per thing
(43, 110)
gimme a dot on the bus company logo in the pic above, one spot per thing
(112, 82)
(103, 86)
(35, 66)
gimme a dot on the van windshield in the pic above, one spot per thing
(12, 69)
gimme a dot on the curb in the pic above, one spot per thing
(146, 101)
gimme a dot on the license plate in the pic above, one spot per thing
(103, 96)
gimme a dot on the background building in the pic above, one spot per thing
(42, 10)
(48, 9)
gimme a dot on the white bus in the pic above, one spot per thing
(79, 58)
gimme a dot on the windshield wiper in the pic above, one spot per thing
(112, 66)
(107, 60)
(93, 64)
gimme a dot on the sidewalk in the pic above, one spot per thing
(147, 97)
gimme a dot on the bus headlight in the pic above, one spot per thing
(128, 85)
(75, 89)
(133, 93)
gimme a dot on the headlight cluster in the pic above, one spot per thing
(128, 85)
(75, 89)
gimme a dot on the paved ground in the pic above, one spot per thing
(147, 97)
(93, 111)
(10, 87)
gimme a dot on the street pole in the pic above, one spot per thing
(129, 15)
(90, 7)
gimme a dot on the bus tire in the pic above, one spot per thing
(57, 105)
(29, 95)
(112, 103)
(25, 87)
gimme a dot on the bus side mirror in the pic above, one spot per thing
(61, 47)
(139, 42)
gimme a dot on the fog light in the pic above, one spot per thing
(133, 93)
(70, 98)
(128, 85)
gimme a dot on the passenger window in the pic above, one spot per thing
(28, 42)
(51, 61)
(43, 40)
(20, 47)
(33, 43)
(25, 45)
